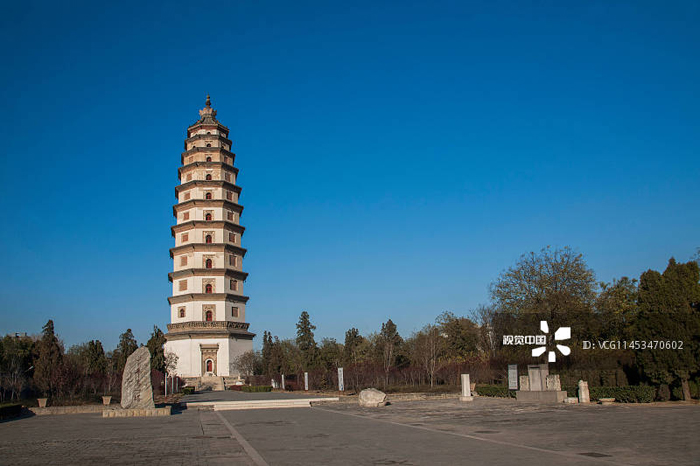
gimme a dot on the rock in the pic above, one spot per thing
(372, 398)
(572, 400)
(137, 392)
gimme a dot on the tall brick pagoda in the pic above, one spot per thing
(208, 329)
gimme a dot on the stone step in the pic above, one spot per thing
(257, 404)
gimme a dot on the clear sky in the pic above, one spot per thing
(395, 157)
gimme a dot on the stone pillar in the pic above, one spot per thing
(524, 383)
(466, 389)
(283, 387)
(583, 394)
(553, 383)
(306, 381)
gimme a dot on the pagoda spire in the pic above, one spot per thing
(207, 114)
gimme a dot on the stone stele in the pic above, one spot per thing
(372, 398)
(137, 392)
(583, 393)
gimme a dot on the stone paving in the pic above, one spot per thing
(486, 431)
(190, 438)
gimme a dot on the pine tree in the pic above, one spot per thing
(669, 309)
(305, 340)
(47, 365)
(127, 345)
(389, 341)
(155, 346)
(267, 353)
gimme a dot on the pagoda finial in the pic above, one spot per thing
(208, 102)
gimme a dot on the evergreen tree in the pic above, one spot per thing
(155, 346)
(669, 309)
(47, 365)
(353, 343)
(388, 342)
(127, 345)
(305, 340)
(267, 353)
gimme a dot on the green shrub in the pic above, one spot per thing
(629, 394)
(188, 390)
(494, 390)
(571, 392)
(10, 410)
(256, 388)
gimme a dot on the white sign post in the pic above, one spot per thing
(341, 384)
(282, 382)
(306, 381)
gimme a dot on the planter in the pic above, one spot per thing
(106, 400)
(42, 402)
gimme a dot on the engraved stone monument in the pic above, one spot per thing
(137, 392)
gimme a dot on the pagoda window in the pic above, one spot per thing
(207, 217)
(209, 317)
(182, 313)
(208, 177)
(208, 289)
(234, 312)
(208, 145)
(207, 196)
(208, 239)
(208, 159)
(208, 263)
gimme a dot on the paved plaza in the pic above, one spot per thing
(485, 432)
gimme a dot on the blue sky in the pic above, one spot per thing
(395, 157)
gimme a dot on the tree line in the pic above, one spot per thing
(555, 285)
(39, 365)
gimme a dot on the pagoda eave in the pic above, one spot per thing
(190, 297)
(207, 273)
(208, 247)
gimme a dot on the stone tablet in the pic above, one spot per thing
(137, 392)
(553, 383)
(524, 383)
(583, 394)
(372, 398)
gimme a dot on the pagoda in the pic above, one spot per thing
(208, 328)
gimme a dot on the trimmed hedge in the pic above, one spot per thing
(188, 390)
(629, 394)
(256, 388)
(10, 410)
(494, 390)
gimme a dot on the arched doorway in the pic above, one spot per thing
(210, 365)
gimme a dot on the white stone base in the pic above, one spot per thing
(466, 398)
(189, 353)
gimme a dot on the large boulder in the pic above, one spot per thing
(372, 398)
(137, 392)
